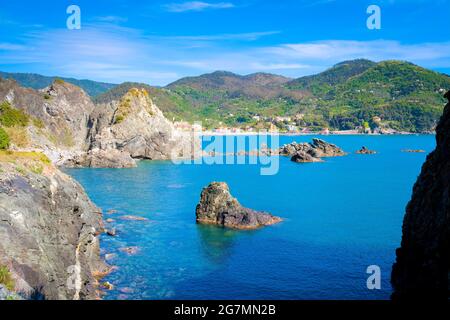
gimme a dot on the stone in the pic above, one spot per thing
(303, 157)
(422, 268)
(111, 232)
(110, 256)
(364, 150)
(218, 207)
(107, 286)
(310, 152)
(130, 250)
(133, 218)
(414, 151)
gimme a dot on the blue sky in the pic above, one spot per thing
(157, 42)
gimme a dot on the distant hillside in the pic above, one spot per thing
(390, 94)
(37, 81)
(337, 74)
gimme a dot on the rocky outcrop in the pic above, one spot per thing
(101, 159)
(62, 109)
(135, 125)
(48, 230)
(218, 207)
(422, 269)
(364, 150)
(311, 152)
(74, 132)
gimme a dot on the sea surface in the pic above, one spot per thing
(340, 217)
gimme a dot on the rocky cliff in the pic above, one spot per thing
(72, 131)
(60, 115)
(422, 269)
(134, 125)
(48, 230)
(218, 207)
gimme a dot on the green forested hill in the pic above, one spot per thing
(390, 94)
(37, 81)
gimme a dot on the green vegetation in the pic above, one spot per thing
(123, 110)
(13, 156)
(4, 139)
(6, 278)
(38, 123)
(10, 117)
(18, 136)
(59, 81)
(358, 93)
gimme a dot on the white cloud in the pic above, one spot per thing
(197, 6)
(249, 36)
(111, 19)
(107, 52)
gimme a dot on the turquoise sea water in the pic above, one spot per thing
(340, 217)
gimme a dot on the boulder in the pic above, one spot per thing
(422, 268)
(310, 152)
(364, 150)
(218, 207)
(303, 157)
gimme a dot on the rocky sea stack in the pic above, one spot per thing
(218, 207)
(422, 269)
(311, 152)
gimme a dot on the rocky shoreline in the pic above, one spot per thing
(49, 230)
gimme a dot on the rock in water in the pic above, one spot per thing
(218, 207)
(364, 150)
(303, 157)
(423, 260)
(310, 152)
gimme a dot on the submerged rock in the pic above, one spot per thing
(364, 150)
(130, 250)
(6, 294)
(422, 269)
(414, 151)
(218, 207)
(311, 152)
(133, 218)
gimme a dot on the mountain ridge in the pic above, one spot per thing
(356, 93)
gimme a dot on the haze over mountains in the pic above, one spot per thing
(391, 94)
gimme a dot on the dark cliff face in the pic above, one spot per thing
(423, 260)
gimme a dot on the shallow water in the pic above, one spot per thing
(340, 217)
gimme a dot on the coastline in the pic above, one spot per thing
(335, 133)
